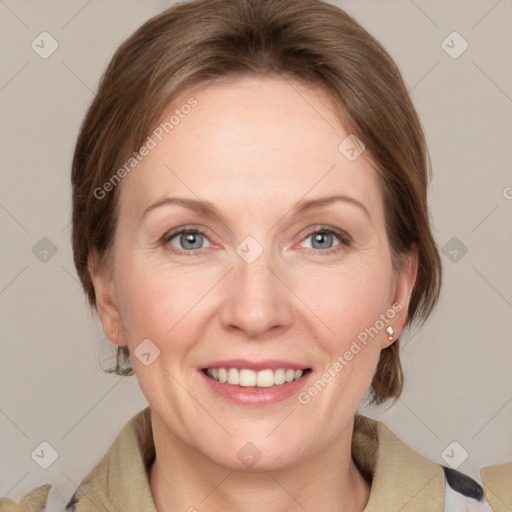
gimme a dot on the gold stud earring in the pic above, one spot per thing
(390, 332)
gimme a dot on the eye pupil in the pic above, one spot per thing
(191, 238)
(321, 237)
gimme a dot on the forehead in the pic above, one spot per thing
(257, 140)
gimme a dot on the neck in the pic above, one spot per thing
(183, 479)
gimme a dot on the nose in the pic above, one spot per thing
(256, 300)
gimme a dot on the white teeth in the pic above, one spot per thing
(279, 377)
(251, 378)
(247, 377)
(265, 379)
(233, 378)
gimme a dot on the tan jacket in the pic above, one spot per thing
(402, 479)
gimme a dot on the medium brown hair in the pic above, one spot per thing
(310, 41)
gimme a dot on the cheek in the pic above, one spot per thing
(159, 302)
(348, 300)
(350, 304)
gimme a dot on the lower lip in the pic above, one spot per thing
(253, 395)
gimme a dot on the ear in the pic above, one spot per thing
(405, 280)
(106, 303)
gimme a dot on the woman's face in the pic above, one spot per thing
(269, 282)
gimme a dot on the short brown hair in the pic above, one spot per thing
(311, 41)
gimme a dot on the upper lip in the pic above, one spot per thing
(272, 364)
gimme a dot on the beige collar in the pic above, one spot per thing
(402, 478)
(497, 480)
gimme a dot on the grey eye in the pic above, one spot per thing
(188, 240)
(322, 239)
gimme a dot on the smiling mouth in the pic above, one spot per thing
(249, 378)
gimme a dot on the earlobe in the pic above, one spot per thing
(405, 282)
(106, 304)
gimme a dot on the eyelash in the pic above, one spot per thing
(344, 238)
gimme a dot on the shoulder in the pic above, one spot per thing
(497, 480)
(34, 500)
(403, 478)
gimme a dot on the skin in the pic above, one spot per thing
(253, 146)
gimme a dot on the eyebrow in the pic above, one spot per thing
(209, 210)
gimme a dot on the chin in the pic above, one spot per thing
(250, 459)
(258, 454)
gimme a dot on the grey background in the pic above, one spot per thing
(457, 367)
